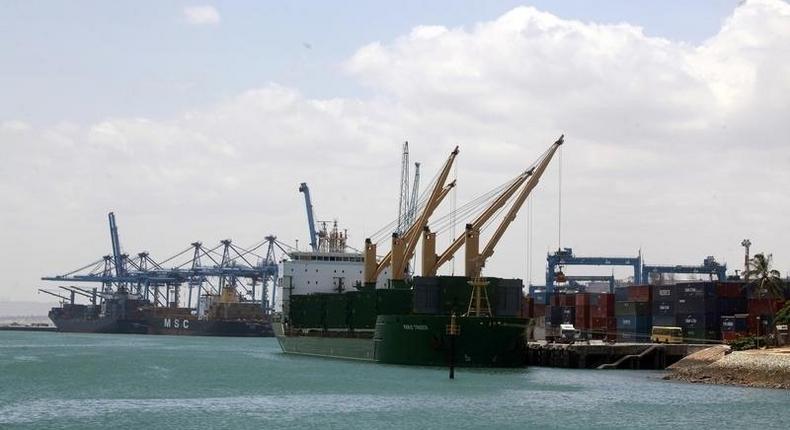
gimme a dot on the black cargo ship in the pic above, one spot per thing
(126, 313)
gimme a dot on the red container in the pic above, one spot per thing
(538, 310)
(582, 320)
(582, 299)
(568, 300)
(639, 293)
(767, 306)
(732, 290)
(553, 299)
(605, 307)
(729, 336)
(527, 307)
(603, 328)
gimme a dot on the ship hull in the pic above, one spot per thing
(196, 327)
(421, 340)
(100, 325)
(180, 326)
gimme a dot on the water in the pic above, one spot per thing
(86, 381)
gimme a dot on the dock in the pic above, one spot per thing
(608, 356)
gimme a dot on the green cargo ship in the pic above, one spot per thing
(409, 326)
(396, 319)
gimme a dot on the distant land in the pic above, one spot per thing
(10, 309)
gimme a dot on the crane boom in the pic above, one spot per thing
(475, 263)
(439, 191)
(385, 262)
(403, 245)
(431, 267)
(116, 246)
(310, 217)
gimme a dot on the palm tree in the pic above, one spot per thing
(767, 281)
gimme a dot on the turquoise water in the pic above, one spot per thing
(86, 381)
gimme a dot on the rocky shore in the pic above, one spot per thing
(765, 368)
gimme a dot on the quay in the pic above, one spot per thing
(608, 356)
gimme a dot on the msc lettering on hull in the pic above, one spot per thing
(175, 323)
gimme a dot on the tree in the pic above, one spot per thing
(767, 281)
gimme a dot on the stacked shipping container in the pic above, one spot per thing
(633, 313)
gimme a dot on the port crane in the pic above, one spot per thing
(229, 265)
(708, 267)
(403, 245)
(565, 257)
(303, 188)
(475, 258)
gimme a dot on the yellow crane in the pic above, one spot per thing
(474, 259)
(403, 246)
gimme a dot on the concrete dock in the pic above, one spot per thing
(608, 356)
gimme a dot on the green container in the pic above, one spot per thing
(335, 311)
(632, 309)
(362, 309)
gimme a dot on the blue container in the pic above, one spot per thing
(664, 321)
(699, 320)
(539, 296)
(728, 323)
(664, 308)
(732, 306)
(696, 290)
(664, 293)
(634, 324)
(697, 305)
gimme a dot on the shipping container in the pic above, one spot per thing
(632, 308)
(568, 314)
(663, 293)
(727, 323)
(664, 320)
(427, 296)
(568, 299)
(639, 293)
(553, 315)
(693, 304)
(696, 290)
(508, 294)
(730, 336)
(640, 324)
(664, 308)
(621, 294)
(732, 305)
(731, 290)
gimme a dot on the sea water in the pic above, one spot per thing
(94, 381)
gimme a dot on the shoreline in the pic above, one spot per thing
(761, 368)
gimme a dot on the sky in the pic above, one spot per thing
(197, 121)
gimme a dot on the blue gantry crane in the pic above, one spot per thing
(709, 267)
(230, 265)
(565, 257)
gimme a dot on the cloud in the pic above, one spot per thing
(202, 15)
(675, 148)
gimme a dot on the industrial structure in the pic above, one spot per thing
(642, 273)
(198, 269)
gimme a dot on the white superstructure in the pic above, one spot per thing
(329, 270)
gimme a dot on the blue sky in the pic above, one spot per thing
(204, 131)
(86, 60)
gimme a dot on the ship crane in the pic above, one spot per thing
(474, 258)
(403, 245)
(310, 217)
